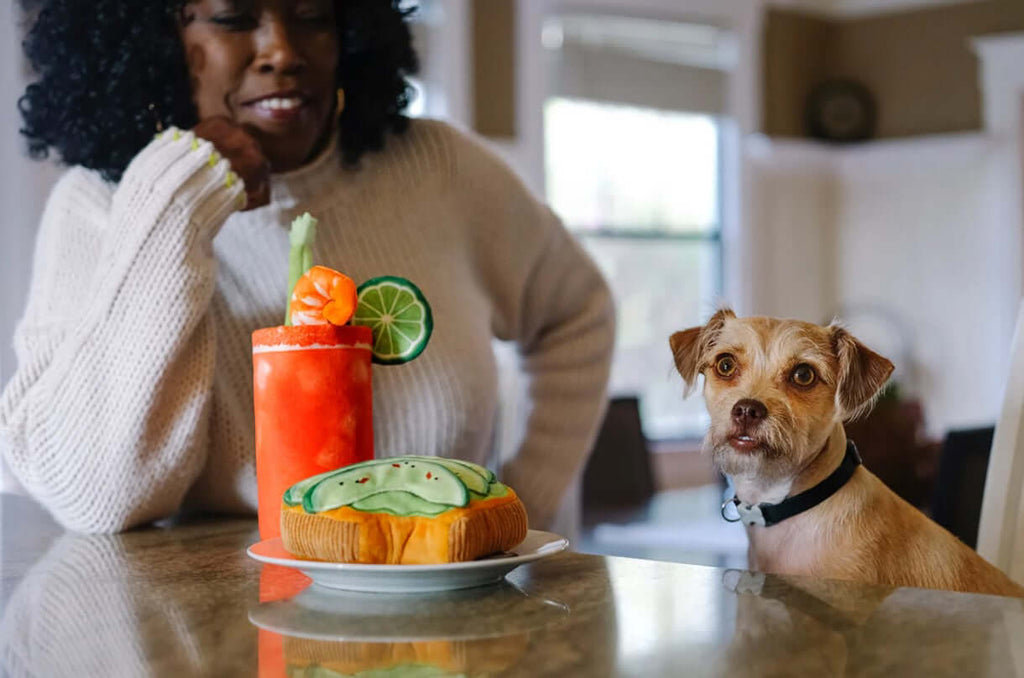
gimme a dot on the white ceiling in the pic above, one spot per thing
(859, 8)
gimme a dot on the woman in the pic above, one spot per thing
(156, 258)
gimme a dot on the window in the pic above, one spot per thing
(641, 189)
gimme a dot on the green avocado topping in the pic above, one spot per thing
(401, 486)
(293, 495)
(399, 503)
(474, 477)
(429, 481)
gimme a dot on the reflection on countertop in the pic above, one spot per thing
(186, 601)
(326, 633)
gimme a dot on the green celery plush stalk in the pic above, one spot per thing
(300, 258)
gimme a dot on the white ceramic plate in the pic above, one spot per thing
(413, 578)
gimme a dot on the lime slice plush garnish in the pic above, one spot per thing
(399, 316)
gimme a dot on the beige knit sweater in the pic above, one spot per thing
(133, 394)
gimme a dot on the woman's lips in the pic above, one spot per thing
(280, 108)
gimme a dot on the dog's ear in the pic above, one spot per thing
(685, 351)
(689, 345)
(862, 373)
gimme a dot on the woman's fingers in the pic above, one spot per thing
(243, 152)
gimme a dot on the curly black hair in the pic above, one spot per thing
(111, 70)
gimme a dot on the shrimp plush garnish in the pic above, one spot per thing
(323, 296)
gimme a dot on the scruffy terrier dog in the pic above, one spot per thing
(778, 392)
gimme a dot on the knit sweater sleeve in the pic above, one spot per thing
(104, 421)
(551, 300)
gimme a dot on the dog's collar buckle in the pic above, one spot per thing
(742, 513)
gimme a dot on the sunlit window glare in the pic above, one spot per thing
(620, 167)
(418, 102)
(641, 189)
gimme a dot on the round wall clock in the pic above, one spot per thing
(841, 111)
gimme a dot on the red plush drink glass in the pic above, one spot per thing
(313, 403)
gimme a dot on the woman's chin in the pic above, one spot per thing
(286, 153)
(287, 144)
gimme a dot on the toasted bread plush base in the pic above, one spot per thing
(483, 655)
(346, 535)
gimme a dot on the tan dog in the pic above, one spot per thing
(778, 392)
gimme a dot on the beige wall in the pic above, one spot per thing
(796, 49)
(493, 25)
(918, 64)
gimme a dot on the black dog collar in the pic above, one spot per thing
(766, 515)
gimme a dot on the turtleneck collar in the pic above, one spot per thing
(302, 185)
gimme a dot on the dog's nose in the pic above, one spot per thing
(749, 411)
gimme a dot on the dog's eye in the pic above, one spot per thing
(725, 366)
(804, 375)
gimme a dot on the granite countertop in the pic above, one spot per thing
(187, 601)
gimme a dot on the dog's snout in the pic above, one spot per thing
(749, 411)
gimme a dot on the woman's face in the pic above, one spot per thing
(269, 65)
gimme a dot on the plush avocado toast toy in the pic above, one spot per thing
(402, 510)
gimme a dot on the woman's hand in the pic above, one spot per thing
(243, 152)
